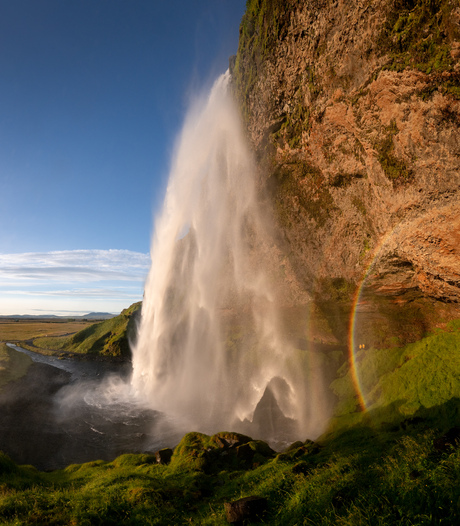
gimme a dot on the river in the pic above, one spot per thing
(59, 413)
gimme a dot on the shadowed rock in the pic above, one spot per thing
(269, 420)
(163, 456)
(246, 509)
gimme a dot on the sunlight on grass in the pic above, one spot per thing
(390, 465)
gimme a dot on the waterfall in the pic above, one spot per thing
(210, 351)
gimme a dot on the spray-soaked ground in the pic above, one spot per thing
(56, 416)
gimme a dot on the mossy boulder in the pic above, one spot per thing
(222, 451)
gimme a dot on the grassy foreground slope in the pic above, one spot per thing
(107, 338)
(359, 478)
(400, 382)
(397, 463)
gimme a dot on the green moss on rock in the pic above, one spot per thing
(418, 34)
(394, 168)
(306, 182)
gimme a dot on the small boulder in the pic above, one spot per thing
(311, 448)
(226, 439)
(246, 509)
(163, 456)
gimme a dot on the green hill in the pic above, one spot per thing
(107, 338)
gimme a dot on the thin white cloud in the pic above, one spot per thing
(77, 293)
(75, 265)
(108, 280)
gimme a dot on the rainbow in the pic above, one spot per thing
(353, 346)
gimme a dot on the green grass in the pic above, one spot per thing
(400, 382)
(383, 466)
(107, 338)
(357, 478)
(15, 330)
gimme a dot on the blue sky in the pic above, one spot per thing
(92, 95)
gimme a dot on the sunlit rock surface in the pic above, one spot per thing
(355, 121)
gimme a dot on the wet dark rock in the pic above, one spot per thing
(221, 442)
(163, 456)
(298, 450)
(246, 509)
(223, 451)
(268, 420)
(311, 448)
(262, 448)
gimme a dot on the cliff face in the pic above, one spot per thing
(353, 109)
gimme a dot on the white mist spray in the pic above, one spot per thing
(209, 341)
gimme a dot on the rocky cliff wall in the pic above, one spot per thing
(353, 110)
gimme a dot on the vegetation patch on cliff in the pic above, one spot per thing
(306, 182)
(418, 34)
(259, 29)
(395, 169)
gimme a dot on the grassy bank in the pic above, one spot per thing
(110, 338)
(400, 477)
(396, 463)
(400, 382)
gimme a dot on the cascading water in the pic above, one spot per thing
(210, 350)
(211, 353)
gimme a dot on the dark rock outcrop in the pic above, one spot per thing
(163, 456)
